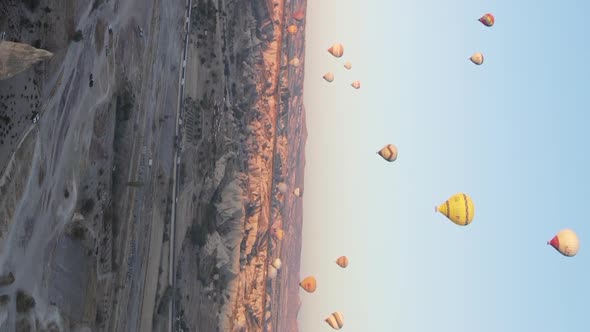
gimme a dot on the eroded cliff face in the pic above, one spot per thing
(18, 57)
(243, 147)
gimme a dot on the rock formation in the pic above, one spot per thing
(17, 57)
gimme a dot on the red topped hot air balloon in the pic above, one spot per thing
(566, 242)
(487, 20)
(299, 15)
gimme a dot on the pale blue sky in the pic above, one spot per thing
(511, 133)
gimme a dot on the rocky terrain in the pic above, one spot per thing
(16, 57)
(246, 134)
(85, 204)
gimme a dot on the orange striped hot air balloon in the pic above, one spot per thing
(342, 261)
(487, 20)
(336, 50)
(292, 29)
(299, 15)
(308, 284)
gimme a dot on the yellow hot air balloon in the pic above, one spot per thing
(356, 84)
(295, 62)
(459, 209)
(477, 58)
(308, 284)
(342, 261)
(348, 65)
(292, 29)
(329, 77)
(566, 242)
(388, 152)
(336, 50)
(335, 320)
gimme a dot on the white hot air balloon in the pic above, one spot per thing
(336, 50)
(282, 187)
(477, 58)
(295, 62)
(566, 242)
(277, 264)
(272, 272)
(348, 65)
(298, 192)
(329, 77)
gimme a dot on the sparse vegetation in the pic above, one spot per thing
(76, 230)
(87, 206)
(7, 279)
(198, 235)
(24, 302)
(96, 4)
(31, 4)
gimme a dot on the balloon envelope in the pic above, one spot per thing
(342, 261)
(348, 65)
(487, 20)
(336, 50)
(277, 264)
(282, 187)
(388, 152)
(459, 209)
(566, 242)
(299, 15)
(309, 284)
(335, 320)
(272, 272)
(329, 77)
(477, 58)
(356, 84)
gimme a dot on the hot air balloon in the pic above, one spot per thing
(335, 320)
(342, 261)
(566, 242)
(356, 84)
(388, 152)
(277, 264)
(329, 77)
(278, 233)
(295, 62)
(282, 187)
(299, 15)
(459, 209)
(348, 65)
(298, 192)
(292, 29)
(487, 20)
(308, 284)
(477, 58)
(272, 272)
(336, 50)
